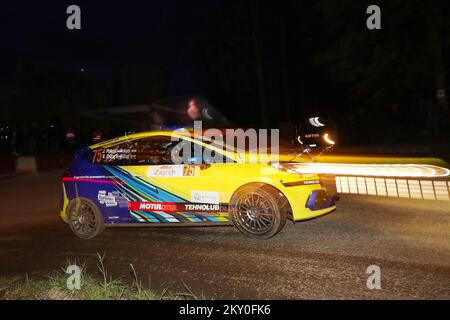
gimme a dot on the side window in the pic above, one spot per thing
(155, 151)
(146, 151)
(200, 156)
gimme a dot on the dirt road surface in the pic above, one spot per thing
(326, 258)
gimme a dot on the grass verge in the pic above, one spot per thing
(55, 287)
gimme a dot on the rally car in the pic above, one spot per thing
(134, 181)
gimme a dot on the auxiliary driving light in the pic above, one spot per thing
(328, 139)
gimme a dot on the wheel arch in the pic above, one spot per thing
(272, 188)
(98, 225)
(78, 199)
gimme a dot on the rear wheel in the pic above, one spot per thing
(259, 210)
(84, 218)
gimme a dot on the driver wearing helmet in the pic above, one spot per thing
(194, 110)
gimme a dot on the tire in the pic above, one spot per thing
(84, 218)
(259, 210)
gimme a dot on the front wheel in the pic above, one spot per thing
(258, 211)
(84, 218)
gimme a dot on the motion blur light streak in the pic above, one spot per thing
(375, 170)
(328, 139)
(315, 122)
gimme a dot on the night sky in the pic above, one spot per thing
(112, 33)
(261, 63)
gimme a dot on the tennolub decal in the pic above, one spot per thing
(174, 207)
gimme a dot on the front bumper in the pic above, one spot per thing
(308, 202)
(319, 199)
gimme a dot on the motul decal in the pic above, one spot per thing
(153, 206)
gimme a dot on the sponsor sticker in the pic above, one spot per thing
(211, 197)
(174, 207)
(307, 182)
(153, 206)
(171, 171)
(111, 199)
(110, 155)
(106, 198)
(201, 207)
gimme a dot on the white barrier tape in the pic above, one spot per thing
(368, 170)
(397, 188)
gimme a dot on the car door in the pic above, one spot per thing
(166, 191)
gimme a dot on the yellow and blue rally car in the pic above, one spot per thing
(133, 181)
